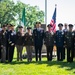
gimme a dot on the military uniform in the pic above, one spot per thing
(59, 41)
(29, 42)
(49, 42)
(19, 44)
(3, 46)
(38, 35)
(69, 42)
(65, 31)
(12, 40)
(0, 49)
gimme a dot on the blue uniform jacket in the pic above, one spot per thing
(59, 38)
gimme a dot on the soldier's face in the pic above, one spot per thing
(4, 28)
(12, 28)
(65, 26)
(38, 25)
(49, 28)
(21, 29)
(60, 27)
(70, 28)
(29, 30)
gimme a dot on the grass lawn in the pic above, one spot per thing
(37, 68)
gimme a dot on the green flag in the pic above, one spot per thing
(23, 18)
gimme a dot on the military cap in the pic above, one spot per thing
(49, 25)
(70, 25)
(28, 27)
(20, 27)
(60, 24)
(38, 22)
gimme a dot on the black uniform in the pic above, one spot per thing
(65, 31)
(74, 43)
(38, 35)
(12, 40)
(0, 50)
(3, 44)
(49, 42)
(69, 43)
(7, 43)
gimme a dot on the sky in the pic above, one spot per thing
(65, 9)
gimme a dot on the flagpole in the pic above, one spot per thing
(46, 12)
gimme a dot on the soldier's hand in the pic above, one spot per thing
(12, 44)
(1, 45)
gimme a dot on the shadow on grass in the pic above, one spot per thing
(59, 64)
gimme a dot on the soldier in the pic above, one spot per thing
(12, 40)
(0, 43)
(49, 42)
(38, 35)
(3, 44)
(65, 31)
(69, 42)
(59, 41)
(7, 39)
(19, 43)
(29, 43)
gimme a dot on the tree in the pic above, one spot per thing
(11, 12)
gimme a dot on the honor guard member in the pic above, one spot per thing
(65, 31)
(69, 42)
(19, 43)
(28, 39)
(59, 41)
(0, 43)
(3, 44)
(8, 30)
(38, 35)
(74, 43)
(49, 42)
(12, 44)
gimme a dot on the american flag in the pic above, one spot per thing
(53, 21)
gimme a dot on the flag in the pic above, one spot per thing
(53, 21)
(23, 18)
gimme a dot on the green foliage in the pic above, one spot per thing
(11, 13)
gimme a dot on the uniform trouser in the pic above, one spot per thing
(7, 48)
(49, 52)
(38, 50)
(19, 52)
(70, 52)
(60, 53)
(3, 54)
(29, 53)
(10, 53)
(0, 52)
(64, 53)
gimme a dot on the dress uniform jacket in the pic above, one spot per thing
(38, 36)
(19, 39)
(3, 38)
(49, 38)
(59, 38)
(28, 39)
